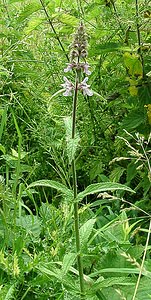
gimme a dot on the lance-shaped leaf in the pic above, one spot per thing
(85, 231)
(54, 185)
(72, 144)
(102, 187)
(68, 260)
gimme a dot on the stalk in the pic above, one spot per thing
(78, 63)
(74, 175)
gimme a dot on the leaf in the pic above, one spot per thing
(72, 144)
(67, 262)
(52, 273)
(68, 20)
(117, 173)
(52, 184)
(85, 231)
(102, 187)
(29, 10)
(3, 121)
(31, 224)
(134, 119)
(56, 272)
(104, 283)
(108, 47)
(123, 271)
(133, 90)
(2, 148)
(13, 1)
(133, 64)
(131, 171)
(33, 24)
(10, 293)
(143, 292)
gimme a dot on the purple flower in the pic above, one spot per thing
(85, 68)
(85, 87)
(68, 86)
(78, 66)
(68, 68)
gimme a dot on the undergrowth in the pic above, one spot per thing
(75, 171)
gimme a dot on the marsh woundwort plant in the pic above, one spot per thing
(79, 65)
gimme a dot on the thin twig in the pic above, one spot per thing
(54, 30)
(139, 37)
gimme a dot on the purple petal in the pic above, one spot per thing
(85, 68)
(69, 68)
(67, 93)
(89, 92)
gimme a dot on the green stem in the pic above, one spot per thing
(76, 215)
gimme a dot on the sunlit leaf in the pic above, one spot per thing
(33, 24)
(85, 231)
(68, 260)
(52, 184)
(102, 187)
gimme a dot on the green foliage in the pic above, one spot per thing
(37, 238)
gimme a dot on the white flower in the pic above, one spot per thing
(85, 87)
(68, 86)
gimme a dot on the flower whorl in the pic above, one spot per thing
(78, 52)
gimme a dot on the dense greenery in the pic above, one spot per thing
(108, 154)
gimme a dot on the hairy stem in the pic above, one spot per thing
(76, 215)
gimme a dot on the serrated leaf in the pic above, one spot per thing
(102, 187)
(72, 144)
(67, 262)
(52, 184)
(85, 231)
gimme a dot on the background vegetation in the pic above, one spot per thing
(37, 241)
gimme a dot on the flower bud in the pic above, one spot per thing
(79, 44)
